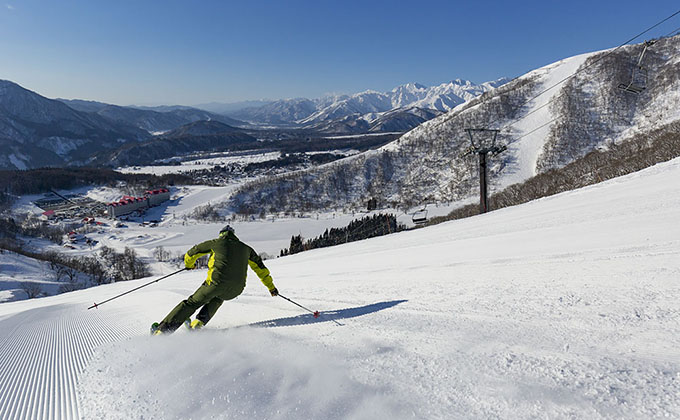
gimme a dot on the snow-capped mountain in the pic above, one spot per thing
(37, 131)
(548, 118)
(443, 97)
(394, 121)
(310, 112)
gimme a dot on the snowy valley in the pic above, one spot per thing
(563, 302)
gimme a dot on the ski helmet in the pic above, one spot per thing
(226, 229)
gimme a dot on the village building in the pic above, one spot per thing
(128, 204)
(48, 215)
(158, 196)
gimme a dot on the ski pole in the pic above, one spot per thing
(315, 313)
(97, 305)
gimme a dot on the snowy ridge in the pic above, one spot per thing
(565, 307)
(532, 141)
(443, 97)
(542, 130)
(311, 112)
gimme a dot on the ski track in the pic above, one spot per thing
(565, 307)
(43, 352)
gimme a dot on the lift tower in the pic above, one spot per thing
(483, 142)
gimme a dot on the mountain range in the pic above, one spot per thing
(198, 136)
(36, 131)
(547, 119)
(368, 105)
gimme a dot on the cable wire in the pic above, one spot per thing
(580, 70)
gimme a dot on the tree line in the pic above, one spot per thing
(364, 228)
(639, 153)
(36, 181)
(105, 266)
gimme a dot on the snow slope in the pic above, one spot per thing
(532, 140)
(565, 307)
(17, 269)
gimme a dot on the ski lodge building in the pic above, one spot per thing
(129, 204)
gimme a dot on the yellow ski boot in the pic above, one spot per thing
(155, 330)
(194, 325)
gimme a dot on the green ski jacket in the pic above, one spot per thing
(229, 261)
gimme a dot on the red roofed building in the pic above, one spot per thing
(48, 215)
(158, 196)
(129, 204)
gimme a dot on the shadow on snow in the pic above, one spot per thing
(326, 316)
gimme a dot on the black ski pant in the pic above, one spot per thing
(208, 297)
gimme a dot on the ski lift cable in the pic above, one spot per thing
(560, 95)
(537, 128)
(532, 112)
(580, 70)
(674, 32)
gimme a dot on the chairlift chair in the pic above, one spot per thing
(638, 80)
(420, 216)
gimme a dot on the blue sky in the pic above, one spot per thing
(190, 52)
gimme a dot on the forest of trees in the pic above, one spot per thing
(364, 228)
(31, 226)
(35, 181)
(106, 266)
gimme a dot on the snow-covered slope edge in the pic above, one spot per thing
(585, 113)
(565, 307)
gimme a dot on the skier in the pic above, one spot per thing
(227, 269)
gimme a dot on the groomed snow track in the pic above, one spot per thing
(41, 354)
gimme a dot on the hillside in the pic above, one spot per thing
(545, 125)
(565, 307)
(153, 120)
(200, 128)
(183, 141)
(36, 131)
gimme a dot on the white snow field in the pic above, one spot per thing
(16, 269)
(567, 307)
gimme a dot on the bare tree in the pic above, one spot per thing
(129, 266)
(32, 289)
(161, 254)
(70, 287)
(58, 271)
(178, 259)
(70, 273)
